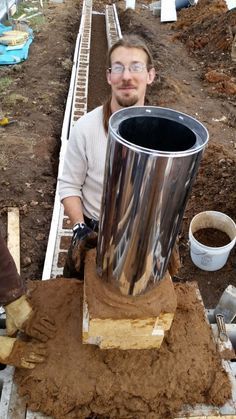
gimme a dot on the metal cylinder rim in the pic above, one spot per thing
(154, 152)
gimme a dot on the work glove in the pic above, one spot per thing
(21, 354)
(84, 238)
(21, 316)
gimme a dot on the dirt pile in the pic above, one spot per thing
(214, 184)
(213, 190)
(79, 381)
(208, 30)
(202, 11)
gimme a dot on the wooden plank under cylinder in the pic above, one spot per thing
(113, 320)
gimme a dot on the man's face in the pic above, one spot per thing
(129, 87)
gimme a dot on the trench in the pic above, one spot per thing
(97, 67)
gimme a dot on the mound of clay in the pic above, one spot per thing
(208, 33)
(208, 30)
(204, 10)
(80, 381)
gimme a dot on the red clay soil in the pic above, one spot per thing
(208, 31)
(82, 381)
(212, 237)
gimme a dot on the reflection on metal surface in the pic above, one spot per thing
(152, 157)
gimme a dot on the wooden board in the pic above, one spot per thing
(107, 322)
(13, 238)
(139, 333)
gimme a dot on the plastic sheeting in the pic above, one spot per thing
(18, 53)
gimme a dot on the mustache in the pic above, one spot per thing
(127, 84)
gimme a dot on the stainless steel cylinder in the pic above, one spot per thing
(152, 158)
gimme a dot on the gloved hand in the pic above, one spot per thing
(21, 354)
(21, 316)
(84, 239)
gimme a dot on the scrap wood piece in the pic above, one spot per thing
(34, 15)
(13, 237)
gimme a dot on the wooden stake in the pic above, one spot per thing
(13, 237)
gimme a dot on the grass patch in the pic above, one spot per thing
(22, 6)
(15, 98)
(5, 82)
(36, 22)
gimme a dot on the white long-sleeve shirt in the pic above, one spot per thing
(84, 163)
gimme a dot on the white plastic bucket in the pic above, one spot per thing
(205, 257)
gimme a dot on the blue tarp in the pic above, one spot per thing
(14, 56)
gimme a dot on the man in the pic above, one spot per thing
(130, 71)
(20, 316)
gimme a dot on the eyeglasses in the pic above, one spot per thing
(118, 68)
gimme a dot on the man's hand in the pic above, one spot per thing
(39, 327)
(21, 316)
(21, 354)
(84, 239)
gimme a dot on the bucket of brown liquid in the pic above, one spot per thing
(212, 235)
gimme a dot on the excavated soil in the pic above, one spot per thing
(212, 237)
(82, 381)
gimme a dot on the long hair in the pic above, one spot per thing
(106, 113)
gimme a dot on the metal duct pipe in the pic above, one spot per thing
(152, 157)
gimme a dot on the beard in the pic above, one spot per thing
(125, 102)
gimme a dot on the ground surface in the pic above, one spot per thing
(195, 75)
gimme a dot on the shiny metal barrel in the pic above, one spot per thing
(152, 158)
